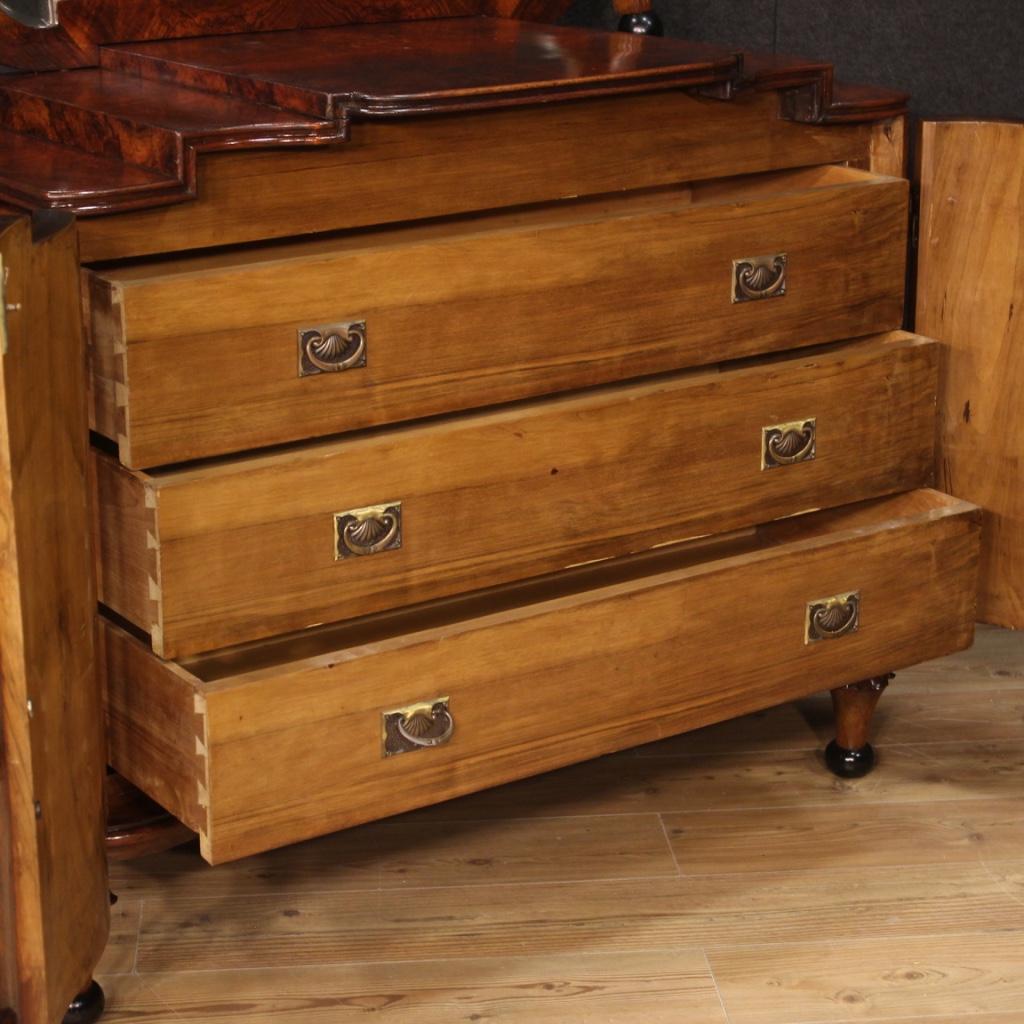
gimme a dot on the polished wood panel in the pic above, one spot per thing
(233, 551)
(970, 295)
(52, 743)
(145, 124)
(269, 709)
(86, 24)
(422, 67)
(199, 357)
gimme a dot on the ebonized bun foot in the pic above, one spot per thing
(86, 1007)
(646, 24)
(849, 764)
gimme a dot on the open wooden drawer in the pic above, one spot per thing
(264, 745)
(206, 355)
(236, 550)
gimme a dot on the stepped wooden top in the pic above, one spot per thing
(126, 133)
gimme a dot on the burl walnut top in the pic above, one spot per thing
(126, 133)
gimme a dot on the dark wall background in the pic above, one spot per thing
(958, 58)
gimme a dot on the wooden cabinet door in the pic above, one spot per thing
(970, 296)
(54, 914)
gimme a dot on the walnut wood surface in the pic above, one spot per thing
(970, 295)
(84, 25)
(157, 104)
(422, 67)
(913, 558)
(546, 287)
(245, 549)
(462, 164)
(53, 750)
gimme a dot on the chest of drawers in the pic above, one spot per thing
(497, 397)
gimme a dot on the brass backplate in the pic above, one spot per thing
(368, 531)
(787, 444)
(332, 348)
(830, 618)
(755, 278)
(419, 726)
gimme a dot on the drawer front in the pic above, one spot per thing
(217, 354)
(251, 548)
(504, 687)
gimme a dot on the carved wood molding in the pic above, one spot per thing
(128, 134)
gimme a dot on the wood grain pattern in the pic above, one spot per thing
(641, 988)
(716, 912)
(406, 68)
(956, 978)
(53, 749)
(460, 164)
(233, 551)
(86, 24)
(269, 710)
(546, 288)
(969, 295)
(400, 855)
(871, 836)
(726, 781)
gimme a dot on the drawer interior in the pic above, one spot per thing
(634, 649)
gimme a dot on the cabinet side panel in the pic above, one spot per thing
(53, 740)
(970, 296)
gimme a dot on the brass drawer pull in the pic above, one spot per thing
(332, 347)
(418, 727)
(785, 444)
(759, 277)
(368, 531)
(833, 617)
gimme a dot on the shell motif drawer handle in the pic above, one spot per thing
(833, 617)
(418, 727)
(786, 444)
(331, 348)
(759, 277)
(368, 531)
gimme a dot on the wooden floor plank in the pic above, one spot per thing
(396, 855)
(975, 713)
(779, 728)
(119, 956)
(940, 978)
(646, 988)
(996, 661)
(566, 919)
(866, 836)
(730, 781)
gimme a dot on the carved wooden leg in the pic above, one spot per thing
(850, 755)
(639, 18)
(86, 1007)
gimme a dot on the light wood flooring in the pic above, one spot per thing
(721, 877)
